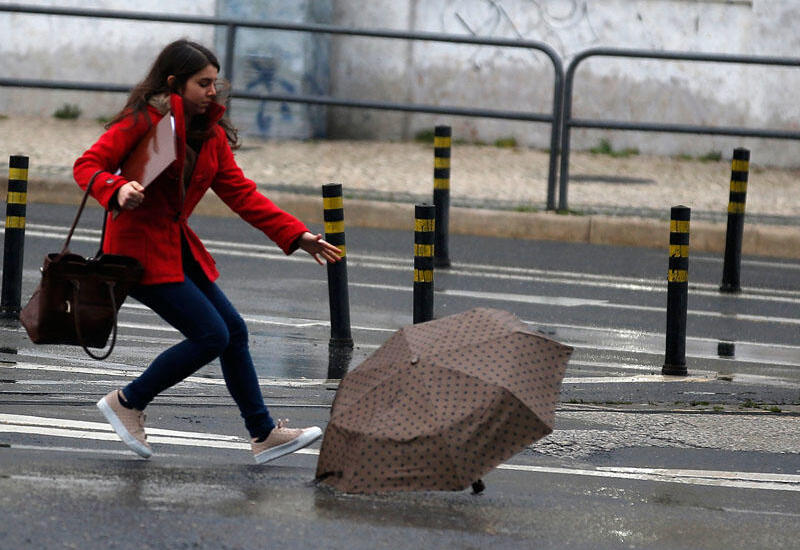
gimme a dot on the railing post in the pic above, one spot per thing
(230, 49)
(14, 240)
(442, 137)
(565, 123)
(677, 291)
(740, 166)
(337, 272)
(424, 229)
(555, 131)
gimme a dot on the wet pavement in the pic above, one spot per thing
(637, 460)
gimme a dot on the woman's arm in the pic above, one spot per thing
(107, 154)
(243, 197)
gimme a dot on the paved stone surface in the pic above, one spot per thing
(604, 430)
(616, 200)
(504, 176)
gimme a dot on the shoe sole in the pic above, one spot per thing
(133, 444)
(305, 439)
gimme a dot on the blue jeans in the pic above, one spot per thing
(213, 328)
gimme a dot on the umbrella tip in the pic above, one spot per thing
(478, 487)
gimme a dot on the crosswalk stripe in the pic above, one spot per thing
(56, 427)
(739, 480)
(278, 382)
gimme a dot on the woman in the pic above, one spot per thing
(178, 282)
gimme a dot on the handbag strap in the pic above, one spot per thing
(102, 235)
(80, 211)
(77, 307)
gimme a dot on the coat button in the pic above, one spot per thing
(109, 181)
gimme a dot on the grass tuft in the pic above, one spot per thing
(506, 142)
(68, 111)
(605, 148)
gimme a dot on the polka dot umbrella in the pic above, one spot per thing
(442, 403)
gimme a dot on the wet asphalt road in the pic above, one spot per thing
(636, 461)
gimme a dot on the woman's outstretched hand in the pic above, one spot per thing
(317, 246)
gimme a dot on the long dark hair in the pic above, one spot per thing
(181, 58)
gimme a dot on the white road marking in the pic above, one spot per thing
(256, 320)
(617, 333)
(274, 382)
(238, 249)
(633, 339)
(566, 301)
(27, 420)
(83, 450)
(615, 282)
(563, 301)
(485, 270)
(628, 334)
(98, 431)
(714, 478)
(56, 427)
(111, 436)
(289, 383)
(636, 379)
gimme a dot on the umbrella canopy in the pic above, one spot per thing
(442, 403)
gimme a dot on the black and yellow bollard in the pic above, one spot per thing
(740, 168)
(441, 193)
(424, 229)
(677, 291)
(14, 241)
(338, 297)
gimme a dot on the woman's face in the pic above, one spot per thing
(200, 90)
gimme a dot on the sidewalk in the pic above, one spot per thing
(494, 191)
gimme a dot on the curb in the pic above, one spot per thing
(759, 240)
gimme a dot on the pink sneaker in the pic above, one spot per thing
(282, 441)
(128, 423)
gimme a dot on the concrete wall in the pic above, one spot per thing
(84, 49)
(97, 50)
(638, 90)
(426, 72)
(279, 62)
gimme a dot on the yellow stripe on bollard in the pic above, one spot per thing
(18, 174)
(16, 197)
(678, 276)
(422, 224)
(441, 141)
(334, 227)
(441, 162)
(679, 250)
(423, 249)
(738, 165)
(736, 207)
(677, 226)
(441, 183)
(423, 275)
(332, 203)
(738, 186)
(15, 222)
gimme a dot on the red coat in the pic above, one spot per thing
(152, 232)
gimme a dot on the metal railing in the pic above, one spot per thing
(560, 119)
(231, 25)
(567, 122)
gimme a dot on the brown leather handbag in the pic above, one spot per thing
(77, 300)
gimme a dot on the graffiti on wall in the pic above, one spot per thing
(274, 71)
(263, 76)
(563, 24)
